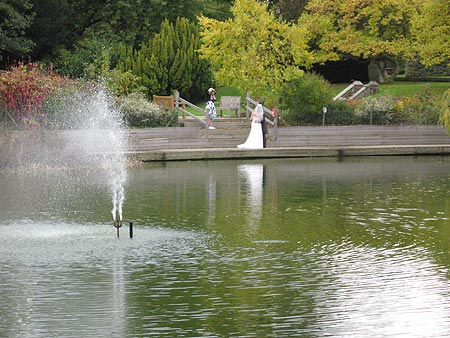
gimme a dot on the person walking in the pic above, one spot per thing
(211, 108)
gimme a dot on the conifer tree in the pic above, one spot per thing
(170, 61)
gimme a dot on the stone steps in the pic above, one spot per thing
(361, 135)
(219, 123)
(227, 135)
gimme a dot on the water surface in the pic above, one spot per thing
(274, 248)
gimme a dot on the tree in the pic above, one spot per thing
(115, 21)
(135, 21)
(253, 51)
(16, 17)
(46, 30)
(361, 29)
(219, 9)
(289, 10)
(169, 61)
(53, 27)
(432, 30)
(358, 28)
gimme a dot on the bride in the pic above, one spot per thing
(255, 138)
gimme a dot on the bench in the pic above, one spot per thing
(229, 103)
(167, 102)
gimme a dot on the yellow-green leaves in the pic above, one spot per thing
(432, 31)
(254, 51)
(359, 28)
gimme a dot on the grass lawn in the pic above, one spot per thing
(225, 91)
(402, 89)
(395, 89)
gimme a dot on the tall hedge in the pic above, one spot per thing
(169, 61)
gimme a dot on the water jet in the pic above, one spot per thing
(118, 225)
(82, 143)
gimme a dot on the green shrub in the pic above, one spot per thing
(140, 113)
(88, 59)
(123, 83)
(445, 109)
(441, 69)
(421, 108)
(62, 107)
(304, 98)
(376, 110)
(415, 70)
(340, 113)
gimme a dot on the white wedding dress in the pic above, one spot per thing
(255, 138)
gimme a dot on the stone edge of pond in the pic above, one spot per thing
(159, 155)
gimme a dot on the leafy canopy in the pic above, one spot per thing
(359, 28)
(253, 51)
(432, 31)
(16, 17)
(169, 61)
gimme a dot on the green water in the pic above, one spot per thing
(273, 248)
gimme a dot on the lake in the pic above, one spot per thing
(264, 248)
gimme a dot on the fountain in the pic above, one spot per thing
(85, 137)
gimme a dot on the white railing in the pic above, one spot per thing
(180, 102)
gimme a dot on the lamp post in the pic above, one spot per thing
(324, 111)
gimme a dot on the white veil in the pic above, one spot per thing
(259, 111)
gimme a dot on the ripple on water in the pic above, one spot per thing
(73, 280)
(384, 293)
(169, 283)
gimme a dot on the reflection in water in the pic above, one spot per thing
(211, 198)
(118, 296)
(285, 248)
(253, 175)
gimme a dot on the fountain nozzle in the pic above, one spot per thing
(117, 221)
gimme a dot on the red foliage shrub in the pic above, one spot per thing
(23, 90)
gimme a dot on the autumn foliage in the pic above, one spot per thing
(23, 90)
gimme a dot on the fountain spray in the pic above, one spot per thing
(104, 142)
(83, 135)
